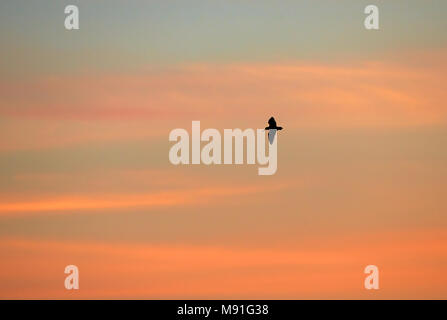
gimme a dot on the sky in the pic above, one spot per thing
(85, 177)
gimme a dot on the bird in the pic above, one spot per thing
(272, 128)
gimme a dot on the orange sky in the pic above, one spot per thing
(412, 265)
(85, 177)
(361, 157)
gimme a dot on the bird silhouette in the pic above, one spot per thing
(272, 128)
(272, 124)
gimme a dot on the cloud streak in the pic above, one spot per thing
(184, 197)
(55, 111)
(411, 265)
(317, 91)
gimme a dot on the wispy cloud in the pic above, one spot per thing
(411, 265)
(319, 92)
(171, 198)
(57, 111)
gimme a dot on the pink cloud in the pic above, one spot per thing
(56, 111)
(85, 202)
(357, 94)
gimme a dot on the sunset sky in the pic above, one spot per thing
(85, 177)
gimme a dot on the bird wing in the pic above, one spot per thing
(271, 136)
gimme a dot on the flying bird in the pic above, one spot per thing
(272, 128)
